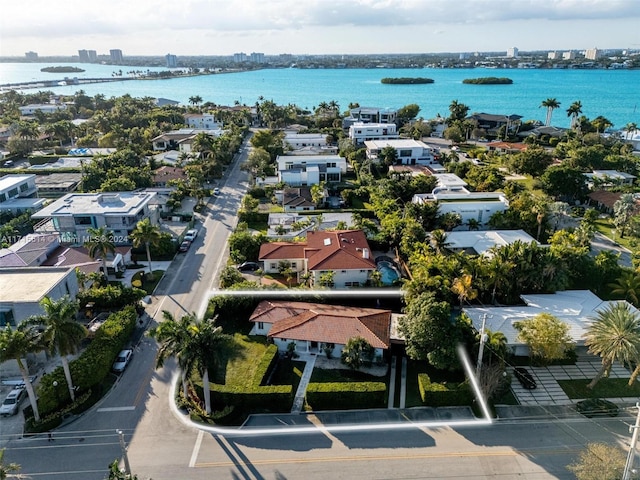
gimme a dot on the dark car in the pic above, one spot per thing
(249, 266)
(592, 407)
(525, 378)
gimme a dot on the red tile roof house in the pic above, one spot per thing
(344, 252)
(313, 326)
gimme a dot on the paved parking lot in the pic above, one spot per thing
(549, 392)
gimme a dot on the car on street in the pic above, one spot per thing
(191, 234)
(216, 191)
(11, 404)
(184, 246)
(8, 164)
(525, 378)
(122, 360)
(249, 266)
(592, 407)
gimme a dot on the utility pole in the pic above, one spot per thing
(628, 467)
(127, 467)
(483, 338)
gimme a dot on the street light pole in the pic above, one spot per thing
(628, 467)
(483, 339)
(125, 458)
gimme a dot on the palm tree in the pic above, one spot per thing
(550, 104)
(627, 286)
(473, 224)
(630, 128)
(15, 344)
(100, 244)
(439, 240)
(463, 288)
(146, 234)
(601, 123)
(62, 335)
(614, 335)
(195, 100)
(7, 468)
(195, 343)
(573, 112)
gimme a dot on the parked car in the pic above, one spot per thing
(216, 191)
(8, 164)
(191, 234)
(249, 266)
(592, 407)
(184, 246)
(525, 378)
(122, 360)
(11, 404)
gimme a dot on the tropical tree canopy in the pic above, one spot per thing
(546, 336)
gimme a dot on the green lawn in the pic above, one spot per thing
(605, 388)
(413, 369)
(148, 284)
(320, 375)
(241, 360)
(605, 226)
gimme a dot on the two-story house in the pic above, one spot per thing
(202, 121)
(346, 253)
(17, 194)
(360, 132)
(72, 215)
(370, 115)
(492, 123)
(301, 170)
(408, 151)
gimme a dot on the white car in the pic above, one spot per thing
(122, 360)
(191, 235)
(216, 191)
(11, 404)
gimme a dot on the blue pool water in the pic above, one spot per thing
(389, 272)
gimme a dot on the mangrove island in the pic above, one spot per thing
(488, 81)
(406, 80)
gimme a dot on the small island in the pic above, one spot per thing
(66, 69)
(406, 80)
(488, 81)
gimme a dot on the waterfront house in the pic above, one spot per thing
(370, 115)
(360, 132)
(314, 327)
(492, 124)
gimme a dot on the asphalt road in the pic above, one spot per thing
(138, 405)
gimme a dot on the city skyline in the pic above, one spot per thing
(214, 27)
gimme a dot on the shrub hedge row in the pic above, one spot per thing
(436, 394)
(92, 366)
(340, 395)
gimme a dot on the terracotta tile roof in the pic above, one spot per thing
(281, 250)
(338, 250)
(319, 322)
(605, 198)
(165, 174)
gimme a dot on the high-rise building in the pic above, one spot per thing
(239, 57)
(172, 60)
(512, 52)
(592, 54)
(256, 57)
(570, 55)
(83, 56)
(116, 56)
(553, 55)
(31, 55)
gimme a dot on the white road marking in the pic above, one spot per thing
(116, 409)
(196, 449)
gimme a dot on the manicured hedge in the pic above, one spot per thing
(443, 394)
(346, 395)
(93, 365)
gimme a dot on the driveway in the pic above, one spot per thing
(549, 392)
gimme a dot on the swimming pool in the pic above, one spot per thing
(388, 272)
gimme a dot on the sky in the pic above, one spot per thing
(224, 27)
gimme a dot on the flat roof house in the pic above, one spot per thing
(17, 194)
(408, 151)
(72, 215)
(360, 132)
(48, 108)
(300, 170)
(370, 115)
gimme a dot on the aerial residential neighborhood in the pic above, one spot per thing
(326, 260)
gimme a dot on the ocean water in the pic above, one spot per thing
(614, 94)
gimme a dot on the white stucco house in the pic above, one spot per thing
(202, 121)
(576, 308)
(346, 253)
(18, 194)
(480, 242)
(312, 327)
(479, 206)
(408, 151)
(72, 215)
(47, 108)
(360, 132)
(301, 170)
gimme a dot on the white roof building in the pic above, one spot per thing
(17, 194)
(408, 151)
(302, 170)
(481, 241)
(360, 132)
(576, 308)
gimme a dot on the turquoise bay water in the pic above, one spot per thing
(614, 94)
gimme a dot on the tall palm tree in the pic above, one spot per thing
(146, 234)
(614, 335)
(62, 335)
(15, 344)
(573, 112)
(463, 288)
(630, 128)
(195, 343)
(439, 240)
(100, 244)
(550, 104)
(627, 286)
